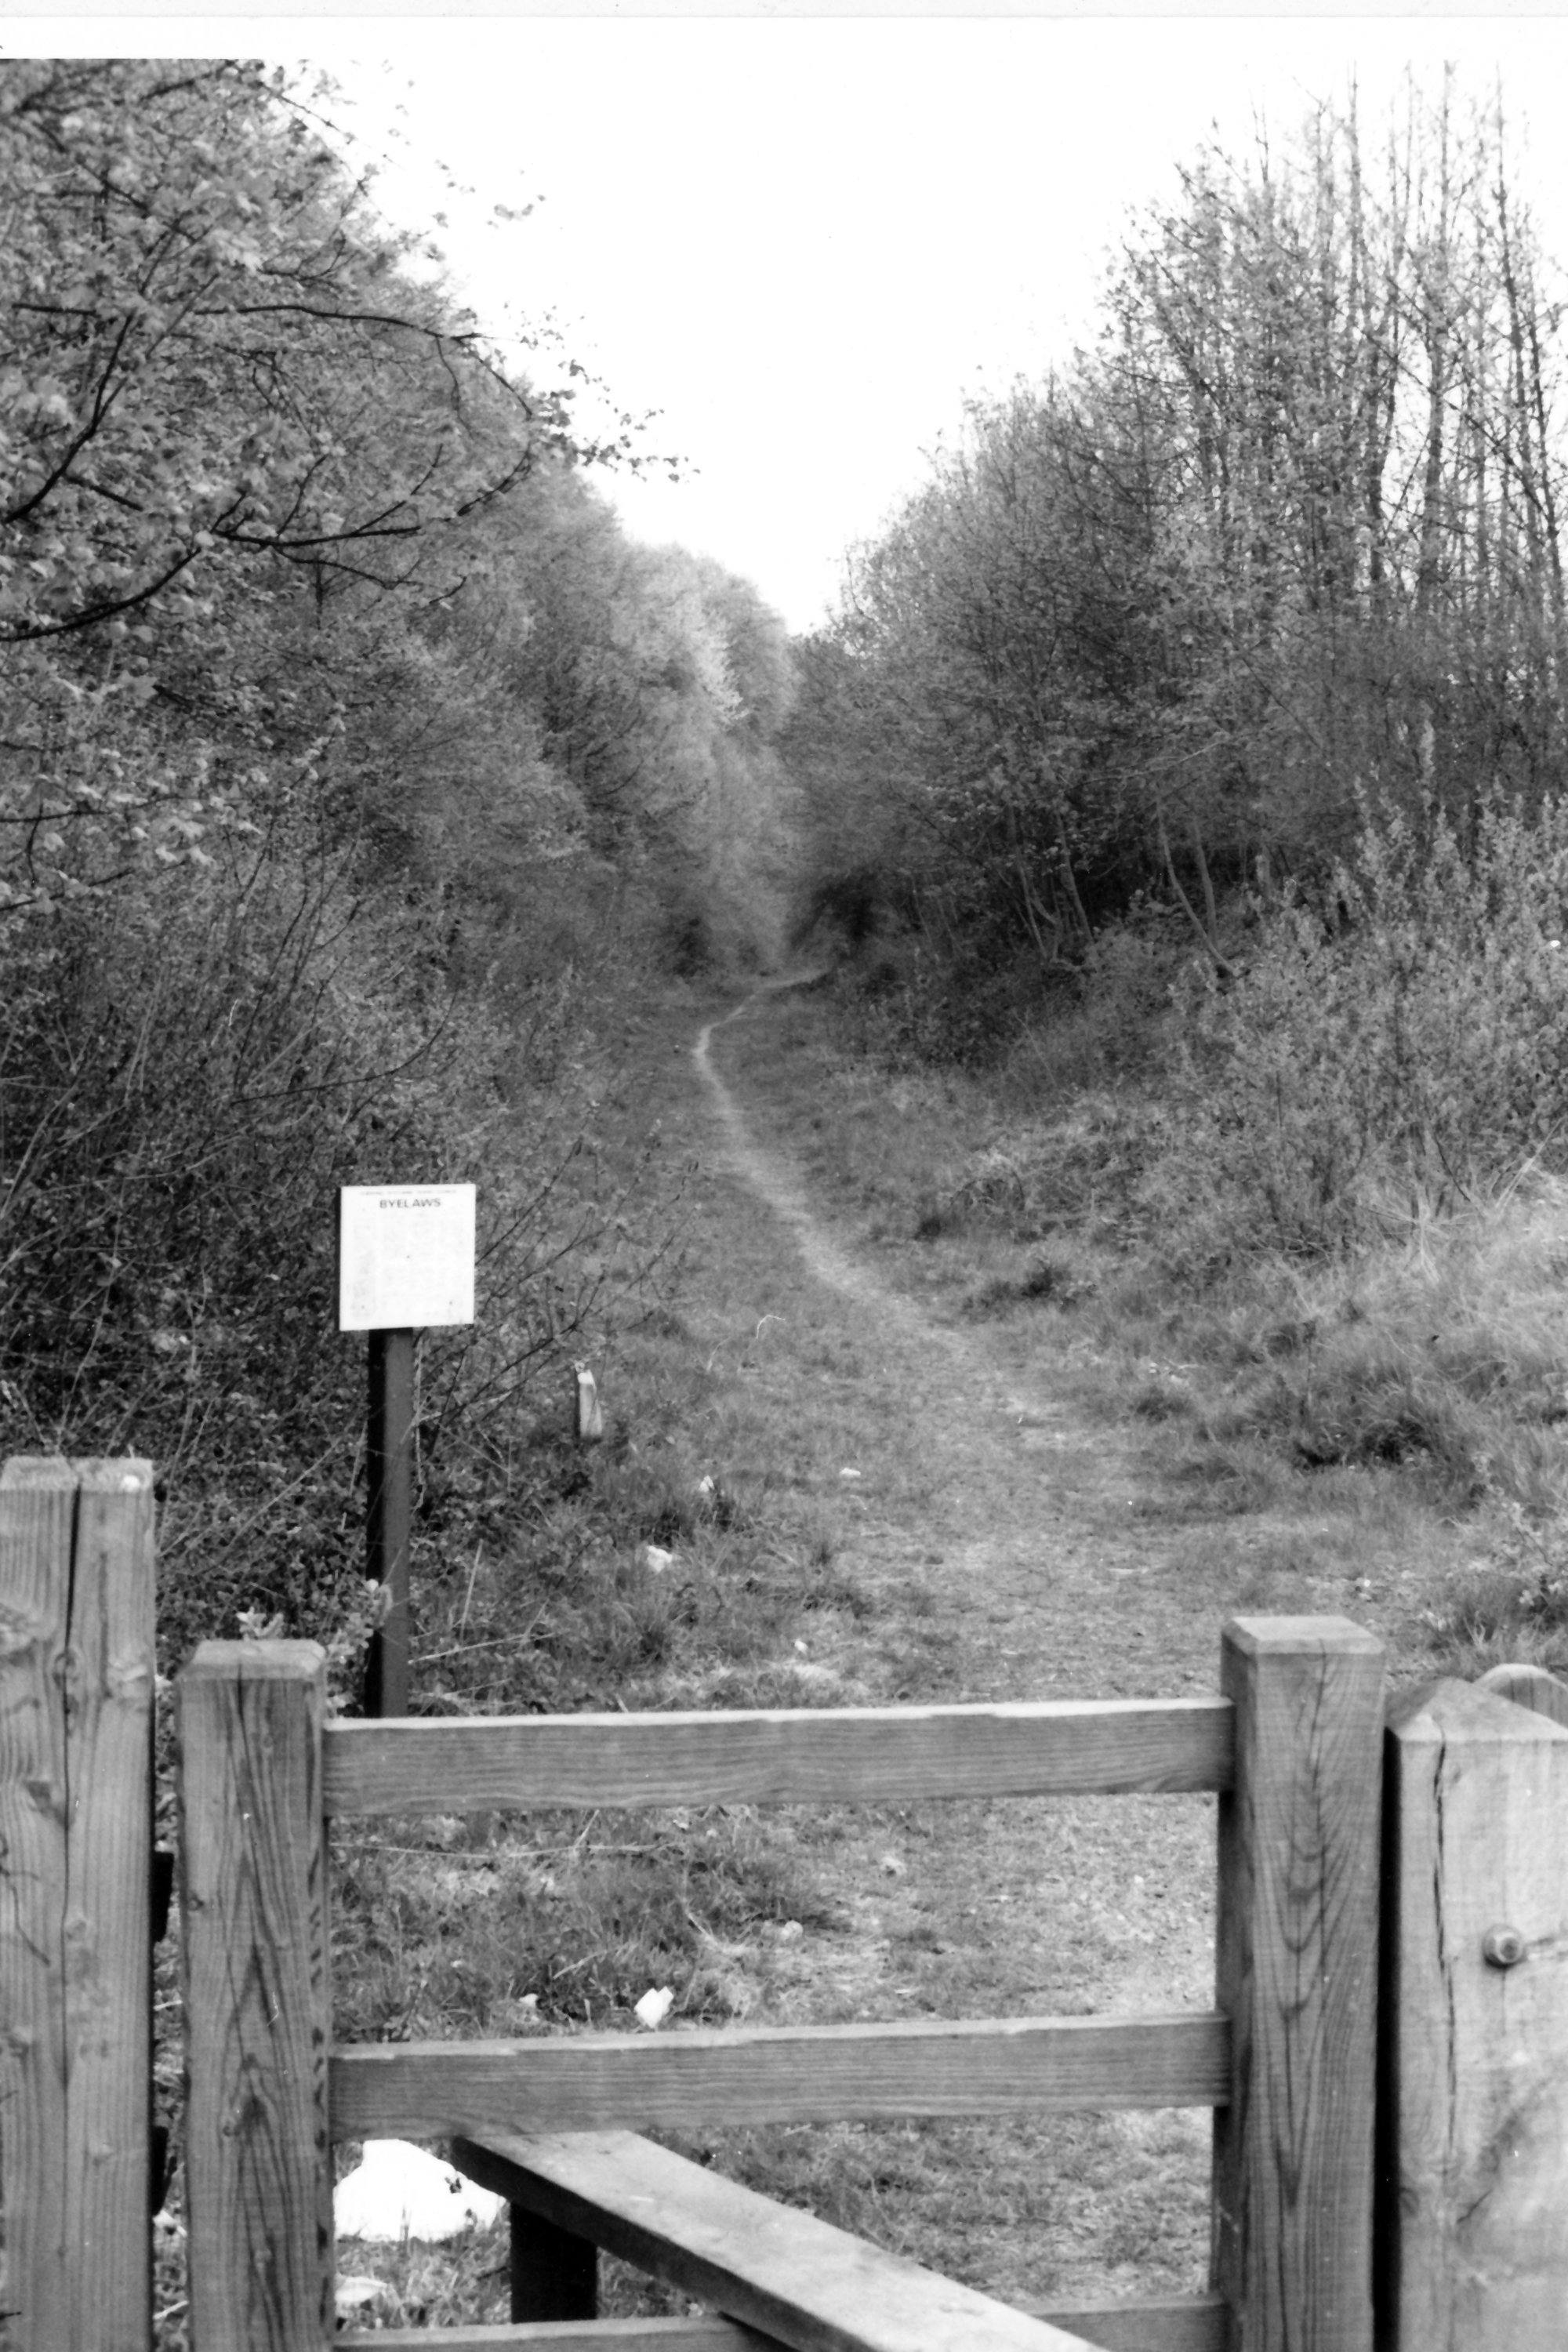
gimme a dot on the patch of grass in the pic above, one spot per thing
(1491, 1616)
(1443, 1358)
(1051, 1278)
(1366, 1408)
(443, 1928)
(1239, 1477)
(1509, 1604)
(1163, 1395)
(995, 2205)
(936, 1216)
(1044, 1280)
(564, 1617)
(461, 2282)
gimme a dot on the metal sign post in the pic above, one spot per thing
(405, 1262)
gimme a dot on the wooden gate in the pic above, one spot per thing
(1286, 2058)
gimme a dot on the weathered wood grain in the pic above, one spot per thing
(801, 2074)
(75, 1754)
(698, 2335)
(1190, 2324)
(802, 2282)
(257, 2001)
(1197, 2322)
(1297, 1967)
(884, 1755)
(389, 1515)
(1529, 1686)
(107, 1929)
(38, 1514)
(1474, 2237)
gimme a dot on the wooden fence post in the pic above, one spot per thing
(1298, 1858)
(76, 1764)
(258, 1998)
(553, 2274)
(1473, 2225)
(389, 1515)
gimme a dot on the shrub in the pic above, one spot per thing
(1397, 1045)
(190, 1073)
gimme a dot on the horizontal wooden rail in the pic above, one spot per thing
(1158, 2324)
(700, 2334)
(810, 1755)
(799, 2073)
(1176, 2323)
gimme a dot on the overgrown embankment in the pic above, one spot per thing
(1305, 1216)
(900, 1423)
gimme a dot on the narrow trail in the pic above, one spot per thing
(1032, 1419)
(1059, 1577)
(775, 1183)
(1047, 1490)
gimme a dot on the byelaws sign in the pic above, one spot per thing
(406, 1264)
(406, 1256)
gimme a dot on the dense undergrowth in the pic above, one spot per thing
(190, 1077)
(355, 778)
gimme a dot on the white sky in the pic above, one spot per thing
(803, 239)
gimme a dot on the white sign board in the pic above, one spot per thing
(406, 1256)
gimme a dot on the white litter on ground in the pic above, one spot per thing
(654, 2007)
(402, 2192)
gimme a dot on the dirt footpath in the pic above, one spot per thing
(1048, 1563)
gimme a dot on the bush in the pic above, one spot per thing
(1396, 1045)
(191, 1071)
